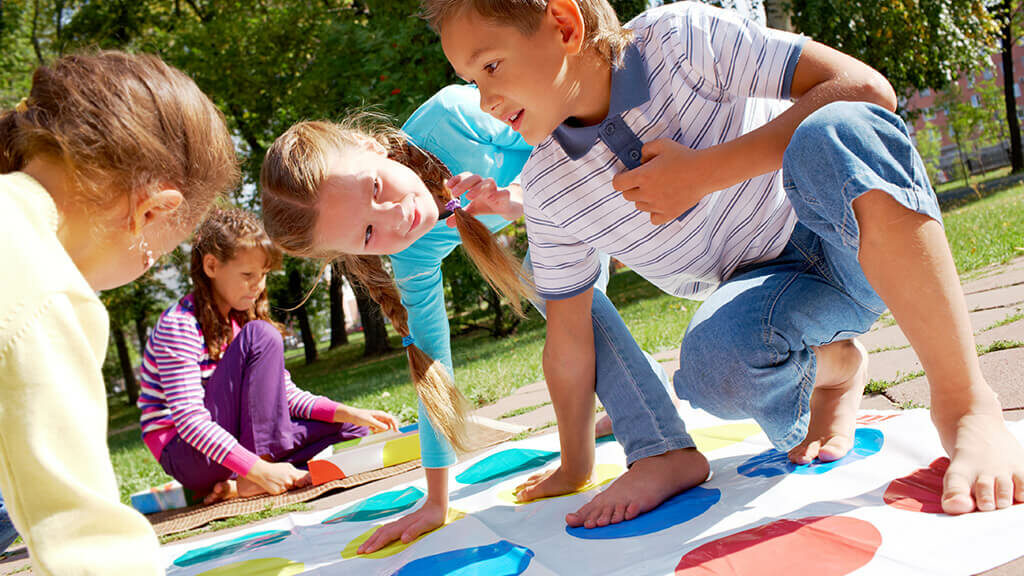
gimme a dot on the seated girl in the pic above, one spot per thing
(355, 193)
(219, 411)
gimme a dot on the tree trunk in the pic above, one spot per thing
(1016, 155)
(339, 337)
(777, 13)
(131, 386)
(374, 329)
(494, 301)
(308, 338)
(141, 330)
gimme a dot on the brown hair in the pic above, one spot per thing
(602, 30)
(291, 176)
(122, 123)
(222, 235)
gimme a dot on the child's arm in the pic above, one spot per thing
(673, 178)
(569, 371)
(309, 406)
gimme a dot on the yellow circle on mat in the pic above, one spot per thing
(603, 474)
(716, 437)
(401, 450)
(396, 546)
(259, 567)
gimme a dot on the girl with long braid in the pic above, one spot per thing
(355, 192)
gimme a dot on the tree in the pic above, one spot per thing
(929, 145)
(964, 123)
(339, 336)
(1007, 13)
(375, 331)
(916, 44)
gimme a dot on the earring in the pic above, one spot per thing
(147, 255)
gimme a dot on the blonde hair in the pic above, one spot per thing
(121, 123)
(223, 234)
(293, 171)
(602, 30)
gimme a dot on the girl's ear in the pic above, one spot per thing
(157, 208)
(210, 265)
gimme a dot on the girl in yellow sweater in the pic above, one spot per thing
(105, 166)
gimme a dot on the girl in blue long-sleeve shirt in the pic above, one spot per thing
(341, 191)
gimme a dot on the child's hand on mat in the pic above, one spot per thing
(429, 517)
(986, 469)
(273, 477)
(375, 420)
(671, 180)
(549, 483)
(485, 197)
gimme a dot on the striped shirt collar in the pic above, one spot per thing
(629, 90)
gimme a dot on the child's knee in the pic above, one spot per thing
(264, 334)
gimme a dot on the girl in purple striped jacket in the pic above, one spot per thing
(219, 411)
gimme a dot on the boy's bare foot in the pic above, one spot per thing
(603, 427)
(986, 469)
(647, 483)
(223, 490)
(839, 384)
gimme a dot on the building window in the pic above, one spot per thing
(929, 114)
(1016, 90)
(987, 73)
(975, 100)
(970, 81)
(926, 92)
(952, 133)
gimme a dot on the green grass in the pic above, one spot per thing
(981, 233)
(523, 410)
(988, 231)
(879, 386)
(974, 180)
(1008, 320)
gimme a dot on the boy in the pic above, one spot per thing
(662, 146)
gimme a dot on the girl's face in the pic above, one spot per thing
(238, 282)
(370, 204)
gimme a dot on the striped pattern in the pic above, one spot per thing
(712, 76)
(175, 369)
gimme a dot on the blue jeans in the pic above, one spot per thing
(632, 386)
(7, 532)
(748, 352)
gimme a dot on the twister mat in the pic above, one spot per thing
(874, 512)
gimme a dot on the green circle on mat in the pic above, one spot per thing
(395, 547)
(258, 567)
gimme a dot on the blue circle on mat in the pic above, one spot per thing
(866, 441)
(409, 428)
(231, 547)
(680, 508)
(502, 558)
(378, 506)
(505, 463)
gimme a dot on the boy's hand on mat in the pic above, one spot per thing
(375, 420)
(485, 197)
(429, 517)
(277, 477)
(986, 469)
(549, 483)
(671, 180)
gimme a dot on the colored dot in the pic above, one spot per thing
(502, 558)
(401, 450)
(715, 437)
(505, 463)
(823, 546)
(920, 491)
(603, 474)
(259, 567)
(231, 547)
(351, 550)
(378, 506)
(676, 510)
(866, 441)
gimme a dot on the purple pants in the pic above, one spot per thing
(246, 397)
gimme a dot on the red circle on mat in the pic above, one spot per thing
(820, 545)
(920, 491)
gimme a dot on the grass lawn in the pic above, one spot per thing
(985, 232)
(974, 180)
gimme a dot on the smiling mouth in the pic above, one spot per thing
(515, 119)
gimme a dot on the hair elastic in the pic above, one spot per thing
(408, 341)
(453, 204)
